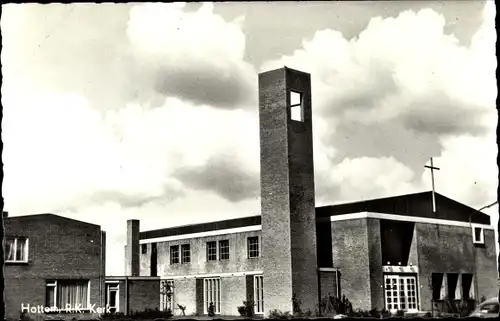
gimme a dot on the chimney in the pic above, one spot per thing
(132, 249)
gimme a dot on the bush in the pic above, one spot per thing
(154, 314)
(331, 306)
(277, 314)
(400, 313)
(247, 309)
(211, 309)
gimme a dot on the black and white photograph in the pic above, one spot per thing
(235, 160)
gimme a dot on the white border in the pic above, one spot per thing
(255, 293)
(343, 217)
(203, 234)
(481, 234)
(205, 308)
(26, 248)
(117, 303)
(212, 275)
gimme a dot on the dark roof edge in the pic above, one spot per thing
(202, 227)
(51, 215)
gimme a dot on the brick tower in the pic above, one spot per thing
(287, 190)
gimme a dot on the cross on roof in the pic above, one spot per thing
(432, 168)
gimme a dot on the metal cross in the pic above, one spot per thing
(432, 168)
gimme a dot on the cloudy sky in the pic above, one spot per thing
(149, 111)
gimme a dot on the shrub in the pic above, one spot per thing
(211, 309)
(154, 314)
(400, 313)
(332, 305)
(247, 309)
(277, 314)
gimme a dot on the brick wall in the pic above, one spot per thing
(143, 294)
(449, 249)
(375, 264)
(327, 284)
(185, 295)
(350, 253)
(232, 294)
(287, 192)
(275, 194)
(59, 248)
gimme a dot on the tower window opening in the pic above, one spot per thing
(296, 108)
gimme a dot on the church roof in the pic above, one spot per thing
(417, 205)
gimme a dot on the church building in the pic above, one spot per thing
(410, 252)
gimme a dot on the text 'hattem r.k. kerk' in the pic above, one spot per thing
(406, 253)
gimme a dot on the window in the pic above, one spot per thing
(112, 297)
(67, 294)
(467, 286)
(478, 235)
(454, 290)
(438, 286)
(186, 253)
(400, 293)
(296, 109)
(211, 251)
(258, 294)
(212, 294)
(144, 248)
(253, 247)
(16, 249)
(167, 295)
(224, 249)
(174, 254)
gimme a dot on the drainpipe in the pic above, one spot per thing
(474, 278)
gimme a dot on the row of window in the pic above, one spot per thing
(214, 250)
(452, 286)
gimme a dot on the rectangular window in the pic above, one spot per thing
(437, 286)
(211, 251)
(212, 294)
(167, 295)
(296, 108)
(467, 286)
(67, 294)
(253, 246)
(224, 249)
(174, 254)
(112, 297)
(258, 285)
(186, 253)
(478, 235)
(16, 249)
(400, 293)
(144, 248)
(452, 279)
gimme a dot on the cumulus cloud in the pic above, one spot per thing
(396, 99)
(196, 56)
(128, 53)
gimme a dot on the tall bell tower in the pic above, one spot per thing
(287, 190)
